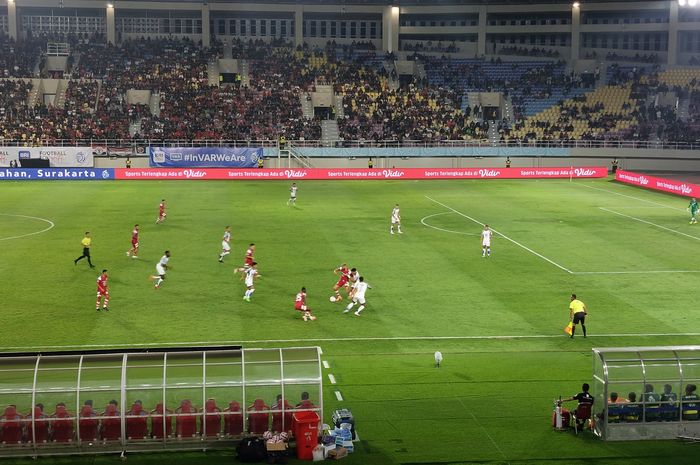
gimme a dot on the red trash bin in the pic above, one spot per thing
(306, 433)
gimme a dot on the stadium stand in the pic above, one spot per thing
(548, 101)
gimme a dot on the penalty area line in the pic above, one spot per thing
(629, 197)
(504, 236)
(425, 223)
(340, 339)
(650, 223)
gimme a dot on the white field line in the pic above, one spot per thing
(494, 443)
(331, 378)
(51, 225)
(35, 348)
(504, 236)
(630, 197)
(424, 223)
(325, 365)
(636, 272)
(338, 396)
(627, 207)
(650, 223)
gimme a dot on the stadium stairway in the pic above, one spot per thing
(330, 133)
(508, 108)
(59, 100)
(684, 108)
(36, 93)
(245, 72)
(135, 127)
(154, 105)
(338, 106)
(213, 73)
(307, 108)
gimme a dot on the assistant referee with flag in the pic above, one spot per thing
(577, 314)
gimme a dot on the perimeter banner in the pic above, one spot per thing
(204, 157)
(659, 184)
(361, 173)
(56, 174)
(59, 157)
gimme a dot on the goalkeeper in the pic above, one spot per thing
(693, 209)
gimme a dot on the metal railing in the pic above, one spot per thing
(139, 145)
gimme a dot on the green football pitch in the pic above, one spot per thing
(629, 254)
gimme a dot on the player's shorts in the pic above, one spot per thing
(486, 243)
(579, 317)
(160, 270)
(395, 221)
(249, 282)
(103, 294)
(225, 246)
(360, 300)
(135, 244)
(341, 282)
(301, 308)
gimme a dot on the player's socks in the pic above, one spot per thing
(573, 330)
(392, 230)
(584, 330)
(349, 307)
(359, 309)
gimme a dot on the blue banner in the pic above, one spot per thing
(56, 174)
(204, 157)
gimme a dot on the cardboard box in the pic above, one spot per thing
(276, 446)
(337, 454)
(327, 448)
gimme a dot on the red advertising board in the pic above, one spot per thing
(358, 173)
(660, 184)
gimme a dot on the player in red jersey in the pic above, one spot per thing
(300, 305)
(102, 292)
(161, 212)
(133, 252)
(248, 261)
(344, 272)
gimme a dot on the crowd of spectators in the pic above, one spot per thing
(651, 58)
(19, 59)
(429, 46)
(376, 105)
(529, 52)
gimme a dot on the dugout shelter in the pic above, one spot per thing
(648, 386)
(54, 403)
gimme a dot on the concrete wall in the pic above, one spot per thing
(138, 97)
(56, 63)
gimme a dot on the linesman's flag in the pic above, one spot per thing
(569, 328)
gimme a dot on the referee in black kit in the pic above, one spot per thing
(86, 243)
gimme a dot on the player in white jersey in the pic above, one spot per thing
(161, 268)
(225, 244)
(251, 273)
(292, 194)
(396, 219)
(486, 235)
(353, 276)
(358, 296)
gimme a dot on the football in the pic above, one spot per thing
(332, 299)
